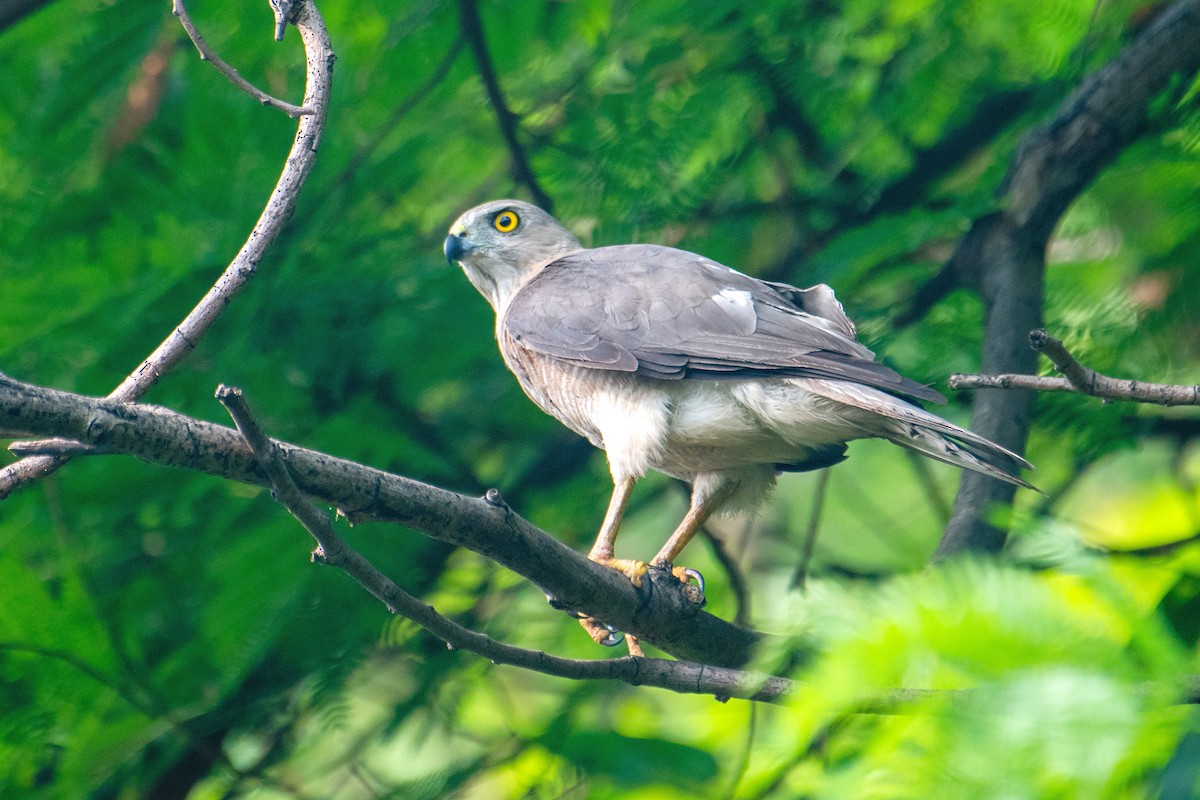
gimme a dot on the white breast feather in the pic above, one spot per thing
(633, 423)
(801, 416)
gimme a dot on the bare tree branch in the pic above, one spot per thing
(1004, 252)
(157, 435)
(280, 206)
(472, 29)
(733, 571)
(820, 490)
(161, 436)
(206, 54)
(1081, 379)
(679, 676)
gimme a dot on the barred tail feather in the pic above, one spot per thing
(961, 448)
(928, 434)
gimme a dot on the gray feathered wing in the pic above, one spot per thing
(672, 315)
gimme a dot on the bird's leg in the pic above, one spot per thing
(603, 550)
(602, 553)
(699, 511)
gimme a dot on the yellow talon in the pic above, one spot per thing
(630, 568)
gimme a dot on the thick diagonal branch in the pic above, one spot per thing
(680, 676)
(161, 436)
(1003, 254)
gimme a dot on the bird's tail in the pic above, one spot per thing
(954, 445)
(928, 434)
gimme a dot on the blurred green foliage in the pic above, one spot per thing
(164, 635)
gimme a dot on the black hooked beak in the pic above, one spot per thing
(456, 247)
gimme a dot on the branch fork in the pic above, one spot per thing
(1077, 378)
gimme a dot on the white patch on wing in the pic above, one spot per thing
(708, 262)
(734, 302)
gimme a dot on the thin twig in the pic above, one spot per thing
(472, 29)
(1040, 383)
(58, 448)
(279, 208)
(1081, 379)
(206, 54)
(800, 576)
(1163, 549)
(927, 481)
(680, 676)
(737, 579)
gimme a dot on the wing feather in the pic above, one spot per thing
(673, 315)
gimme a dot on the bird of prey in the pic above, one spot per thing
(670, 361)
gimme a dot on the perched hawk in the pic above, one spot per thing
(670, 361)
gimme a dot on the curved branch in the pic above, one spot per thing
(206, 54)
(1004, 252)
(161, 436)
(279, 209)
(486, 526)
(472, 29)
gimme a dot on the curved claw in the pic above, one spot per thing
(687, 574)
(614, 637)
(601, 632)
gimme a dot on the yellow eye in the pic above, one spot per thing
(506, 221)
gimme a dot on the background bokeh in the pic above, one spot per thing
(164, 635)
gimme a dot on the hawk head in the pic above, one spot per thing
(504, 243)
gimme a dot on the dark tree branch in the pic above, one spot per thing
(800, 576)
(737, 579)
(1003, 254)
(206, 54)
(679, 676)
(157, 435)
(927, 295)
(280, 206)
(676, 675)
(989, 118)
(472, 30)
(161, 436)
(787, 114)
(1081, 379)
(13, 11)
